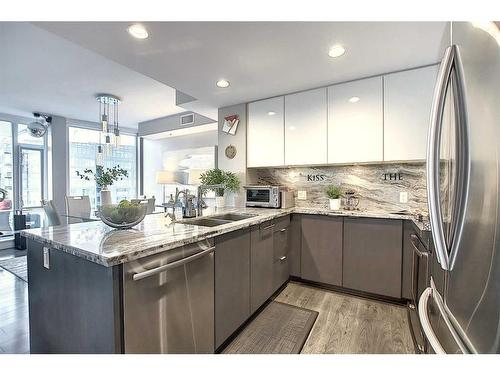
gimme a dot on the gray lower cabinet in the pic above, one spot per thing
(232, 283)
(84, 315)
(373, 255)
(281, 245)
(321, 253)
(262, 271)
(295, 244)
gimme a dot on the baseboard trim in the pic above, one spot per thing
(351, 292)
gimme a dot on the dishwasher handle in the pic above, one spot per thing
(157, 270)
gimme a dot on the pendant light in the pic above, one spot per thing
(116, 129)
(110, 128)
(99, 159)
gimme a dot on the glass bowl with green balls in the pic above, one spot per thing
(123, 215)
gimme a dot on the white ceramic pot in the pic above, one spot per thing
(334, 204)
(220, 202)
(106, 197)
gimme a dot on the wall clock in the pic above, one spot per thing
(230, 151)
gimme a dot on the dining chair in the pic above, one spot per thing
(5, 221)
(150, 205)
(78, 208)
(50, 210)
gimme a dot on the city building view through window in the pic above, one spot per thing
(82, 151)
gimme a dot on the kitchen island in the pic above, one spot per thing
(93, 289)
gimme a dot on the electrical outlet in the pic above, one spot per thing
(302, 195)
(403, 197)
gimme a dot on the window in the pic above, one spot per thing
(82, 154)
(31, 177)
(22, 173)
(6, 176)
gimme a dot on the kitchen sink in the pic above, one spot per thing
(232, 217)
(205, 222)
(215, 220)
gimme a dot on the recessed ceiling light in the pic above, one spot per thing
(271, 113)
(292, 127)
(336, 51)
(138, 31)
(222, 83)
(354, 99)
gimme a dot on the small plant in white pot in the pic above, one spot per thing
(334, 193)
(228, 180)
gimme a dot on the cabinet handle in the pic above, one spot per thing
(417, 246)
(282, 258)
(283, 230)
(268, 227)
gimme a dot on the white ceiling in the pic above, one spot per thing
(40, 71)
(260, 59)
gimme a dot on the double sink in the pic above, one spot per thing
(216, 220)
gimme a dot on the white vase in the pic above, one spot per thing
(334, 204)
(220, 202)
(106, 197)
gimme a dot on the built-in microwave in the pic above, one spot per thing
(262, 196)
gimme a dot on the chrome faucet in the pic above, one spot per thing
(200, 204)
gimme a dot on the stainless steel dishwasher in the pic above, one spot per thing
(168, 301)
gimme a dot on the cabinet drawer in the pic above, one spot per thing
(281, 223)
(281, 245)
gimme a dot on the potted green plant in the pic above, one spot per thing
(229, 181)
(334, 193)
(103, 177)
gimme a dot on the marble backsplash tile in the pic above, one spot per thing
(375, 191)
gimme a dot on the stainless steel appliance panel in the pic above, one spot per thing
(287, 200)
(472, 293)
(169, 301)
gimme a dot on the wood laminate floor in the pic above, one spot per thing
(350, 325)
(14, 323)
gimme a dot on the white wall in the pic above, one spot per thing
(238, 164)
(60, 161)
(154, 151)
(152, 163)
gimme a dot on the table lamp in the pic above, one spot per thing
(194, 176)
(165, 177)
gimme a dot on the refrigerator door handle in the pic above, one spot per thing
(463, 157)
(423, 304)
(426, 325)
(450, 70)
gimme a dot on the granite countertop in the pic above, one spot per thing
(98, 243)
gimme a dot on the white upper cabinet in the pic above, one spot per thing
(265, 134)
(355, 121)
(306, 128)
(407, 106)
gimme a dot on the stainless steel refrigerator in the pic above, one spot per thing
(460, 311)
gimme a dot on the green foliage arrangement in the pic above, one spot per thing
(334, 192)
(217, 176)
(103, 177)
(122, 213)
